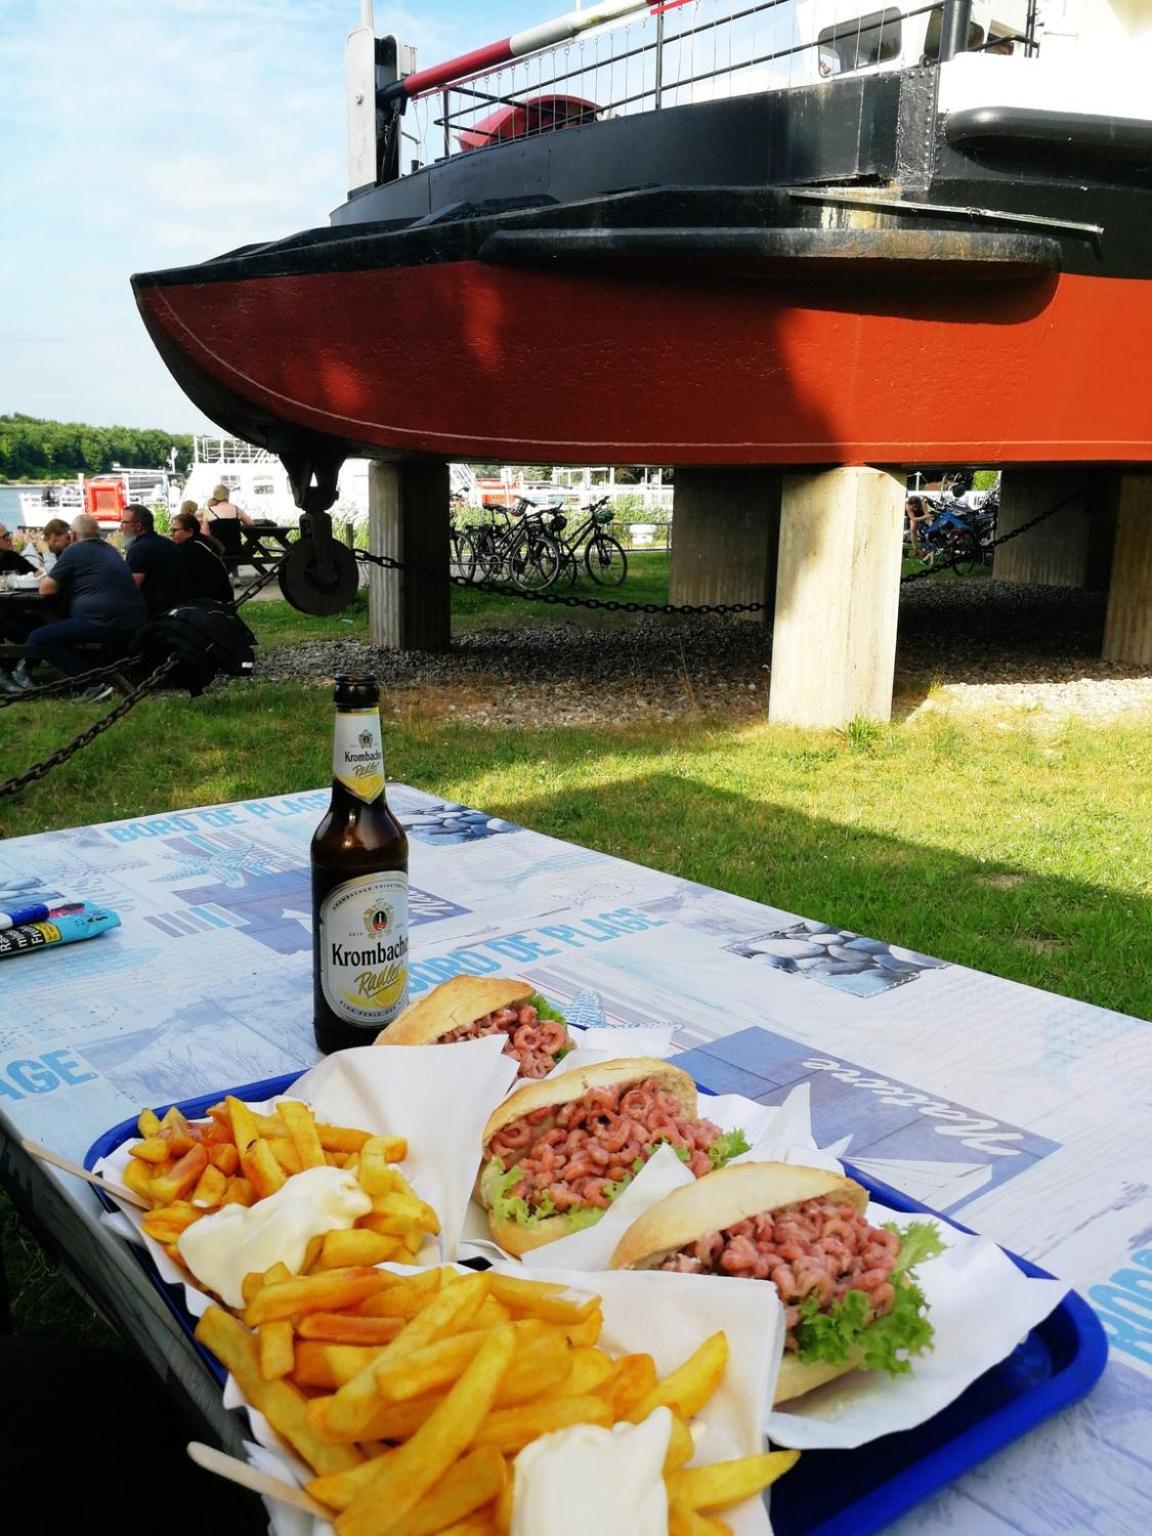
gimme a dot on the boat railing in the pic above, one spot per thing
(624, 57)
(210, 449)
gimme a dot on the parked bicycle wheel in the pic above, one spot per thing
(605, 560)
(485, 554)
(461, 554)
(967, 553)
(534, 560)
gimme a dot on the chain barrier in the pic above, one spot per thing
(1005, 538)
(40, 770)
(89, 735)
(263, 580)
(62, 684)
(556, 599)
(610, 605)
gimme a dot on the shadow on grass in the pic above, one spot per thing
(1047, 932)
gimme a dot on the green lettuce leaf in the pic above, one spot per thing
(726, 1147)
(581, 1216)
(545, 1010)
(496, 1190)
(918, 1242)
(887, 1343)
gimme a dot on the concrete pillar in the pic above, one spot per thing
(408, 520)
(1128, 628)
(1073, 548)
(726, 524)
(837, 597)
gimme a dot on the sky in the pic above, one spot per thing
(142, 134)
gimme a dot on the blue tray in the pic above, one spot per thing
(841, 1493)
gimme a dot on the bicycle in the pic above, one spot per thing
(604, 557)
(523, 554)
(958, 536)
(461, 553)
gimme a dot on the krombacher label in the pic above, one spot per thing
(364, 948)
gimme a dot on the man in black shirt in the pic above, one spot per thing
(154, 561)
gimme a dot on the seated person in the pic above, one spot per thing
(103, 603)
(17, 620)
(204, 573)
(55, 536)
(153, 560)
(12, 562)
(223, 521)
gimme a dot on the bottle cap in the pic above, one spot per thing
(352, 692)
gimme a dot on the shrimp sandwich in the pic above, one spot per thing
(557, 1153)
(850, 1300)
(470, 1007)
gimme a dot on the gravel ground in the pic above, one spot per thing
(974, 644)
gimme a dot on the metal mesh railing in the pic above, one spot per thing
(679, 53)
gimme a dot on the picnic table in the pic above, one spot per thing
(1022, 1114)
(261, 547)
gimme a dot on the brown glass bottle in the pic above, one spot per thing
(359, 884)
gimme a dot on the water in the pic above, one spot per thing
(10, 513)
(10, 504)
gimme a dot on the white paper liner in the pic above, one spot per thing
(606, 1043)
(654, 1314)
(437, 1097)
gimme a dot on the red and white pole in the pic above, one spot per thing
(531, 40)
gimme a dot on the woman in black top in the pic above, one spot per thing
(204, 573)
(11, 560)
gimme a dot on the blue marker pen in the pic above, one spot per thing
(36, 914)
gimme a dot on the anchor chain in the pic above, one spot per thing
(97, 728)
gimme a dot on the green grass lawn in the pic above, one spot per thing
(275, 623)
(1019, 852)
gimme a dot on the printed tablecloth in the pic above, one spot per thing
(1025, 1114)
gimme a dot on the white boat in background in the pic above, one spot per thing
(258, 484)
(104, 496)
(39, 505)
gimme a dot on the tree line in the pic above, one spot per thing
(32, 448)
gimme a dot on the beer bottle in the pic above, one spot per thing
(359, 884)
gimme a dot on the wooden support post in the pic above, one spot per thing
(1070, 549)
(408, 520)
(727, 526)
(837, 597)
(1128, 628)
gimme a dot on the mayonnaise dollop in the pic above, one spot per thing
(587, 1479)
(222, 1248)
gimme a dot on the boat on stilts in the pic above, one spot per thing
(783, 232)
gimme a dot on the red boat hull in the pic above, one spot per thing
(468, 360)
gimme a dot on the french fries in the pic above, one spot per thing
(413, 1430)
(189, 1169)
